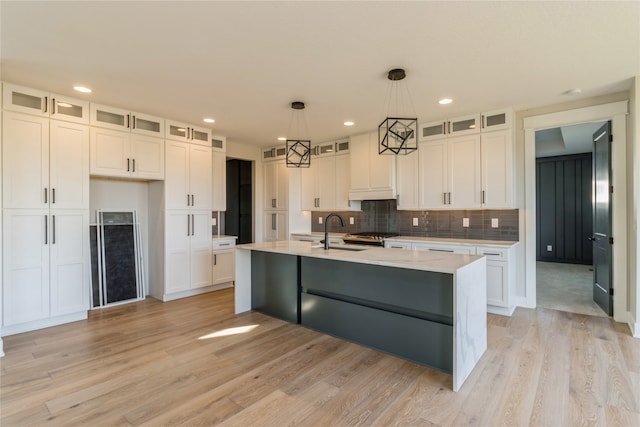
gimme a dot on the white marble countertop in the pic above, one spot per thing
(400, 258)
(468, 242)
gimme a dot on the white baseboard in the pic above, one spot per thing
(503, 311)
(524, 302)
(192, 292)
(634, 325)
(43, 323)
(1, 348)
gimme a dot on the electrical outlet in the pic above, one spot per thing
(465, 222)
(319, 220)
(494, 222)
(351, 220)
(214, 221)
(549, 248)
(415, 222)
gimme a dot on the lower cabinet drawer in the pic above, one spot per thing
(422, 341)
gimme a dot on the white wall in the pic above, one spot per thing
(633, 150)
(120, 194)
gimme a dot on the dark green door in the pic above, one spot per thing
(602, 239)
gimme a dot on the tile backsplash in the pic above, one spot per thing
(382, 216)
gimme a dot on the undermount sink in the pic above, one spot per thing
(342, 247)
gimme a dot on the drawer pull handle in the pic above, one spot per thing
(440, 250)
(224, 244)
(491, 253)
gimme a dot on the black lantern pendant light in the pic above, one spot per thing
(298, 150)
(397, 134)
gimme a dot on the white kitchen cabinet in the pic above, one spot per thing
(44, 104)
(464, 125)
(496, 151)
(187, 176)
(372, 175)
(219, 143)
(318, 184)
(218, 181)
(125, 120)
(343, 182)
(274, 153)
(276, 182)
(46, 163)
(497, 120)
(126, 155)
(45, 266)
(408, 181)
(501, 278)
(183, 132)
(445, 248)
(188, 250)
(276, 226)
(224, 261)
(450, 173)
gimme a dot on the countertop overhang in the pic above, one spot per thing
(399, 258)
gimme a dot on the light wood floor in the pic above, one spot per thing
(158, 364)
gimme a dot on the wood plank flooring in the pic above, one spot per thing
(166, 364)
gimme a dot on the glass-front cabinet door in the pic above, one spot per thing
(25, 100)
(496, 120)
(464, 125)
(110, 117)
(69, 109)
(147, 125)
(433, 130)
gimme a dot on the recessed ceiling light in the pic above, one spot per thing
(348, 123)
(282, 138)
(208, 120)
(445, 101)
(82, 89)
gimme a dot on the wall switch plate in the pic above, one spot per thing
(465, 222)
(415, 222)
(549, 248)
(214, 221)
(351, 220)
(494, 222)
(319, 220)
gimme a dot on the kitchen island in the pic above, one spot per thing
(426, 307)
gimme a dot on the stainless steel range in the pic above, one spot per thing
(367, 238)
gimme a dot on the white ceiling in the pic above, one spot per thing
(566, 140)
(243, 63)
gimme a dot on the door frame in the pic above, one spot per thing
(616, 112)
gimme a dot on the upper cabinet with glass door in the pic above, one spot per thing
(459, 126)
(40, 103)
(184, 132)
(119, 119)
(474, 123)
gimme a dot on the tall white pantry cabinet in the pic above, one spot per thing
(45, 195)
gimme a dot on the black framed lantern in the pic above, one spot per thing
(397, 134)
(298, 149)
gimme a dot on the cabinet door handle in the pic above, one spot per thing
(128, 121)
(133, 122)
(128, 169)
(53, 106)
(449, 194)
(273, 203)
(134, 165)
(273, 221)
(482, 121)
(215, 260)
(45, 196)
(444, 198)
(483, 196)
(46, 229)
(188, 226)
(193, 225)
(53, 229)
(46, 104)
(53, 195)
(188, 200)
(193, 200)
(448, 127)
